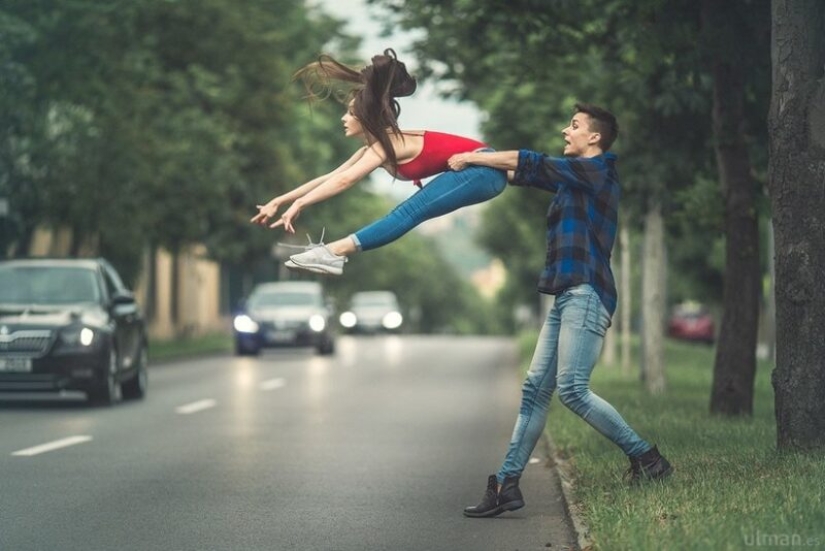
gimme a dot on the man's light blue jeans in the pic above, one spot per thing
(568, 347)
(446, 193)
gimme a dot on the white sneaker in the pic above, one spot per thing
(319, 260)
(292, 266)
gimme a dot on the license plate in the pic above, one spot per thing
(19, 365)
(281, 336)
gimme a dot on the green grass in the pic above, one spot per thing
(730, 489)
(160, 350)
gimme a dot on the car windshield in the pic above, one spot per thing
(280, 298)
(47, 285)
(377, 299)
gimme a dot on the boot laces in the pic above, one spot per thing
(492, 488)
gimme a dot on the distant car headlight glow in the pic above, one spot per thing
(392, 320)
(348, 320)
(317, 323)
(245, 324)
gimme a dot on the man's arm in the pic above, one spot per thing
(502, 160)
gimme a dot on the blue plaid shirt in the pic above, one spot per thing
(581, 219)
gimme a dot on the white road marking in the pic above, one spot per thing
(273, 384)
(195, 407)
(51, 446)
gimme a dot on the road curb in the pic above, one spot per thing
(567, 478)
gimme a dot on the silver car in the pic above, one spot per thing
(373, 312)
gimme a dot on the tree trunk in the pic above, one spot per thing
(770, 301)
(626, 298)
(796, 177)
(653, 301)
(735, 366)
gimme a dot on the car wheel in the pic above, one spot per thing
(136, 387)
(246, 350)
(108, 391)
(327, 347)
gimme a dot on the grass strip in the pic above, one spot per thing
(171, 349)
(730, 490)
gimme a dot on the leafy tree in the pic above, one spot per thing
(18, 122)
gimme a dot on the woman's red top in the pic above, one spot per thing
(438, 148)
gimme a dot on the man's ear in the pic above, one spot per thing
(594, 138)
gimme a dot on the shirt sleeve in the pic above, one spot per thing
(549, 173)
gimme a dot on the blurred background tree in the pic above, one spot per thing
(146, 123)
(139, 124)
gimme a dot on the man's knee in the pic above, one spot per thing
(572, 396)
(535, 386)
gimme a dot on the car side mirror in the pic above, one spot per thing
(122, 298)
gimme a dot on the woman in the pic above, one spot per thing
(372, 116)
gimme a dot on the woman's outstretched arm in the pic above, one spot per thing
(371, 159)
(267, 211)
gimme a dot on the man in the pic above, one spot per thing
(581, 229)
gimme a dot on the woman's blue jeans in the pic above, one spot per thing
(444, 194)
(567, 350)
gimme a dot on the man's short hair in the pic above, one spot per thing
(602, 121)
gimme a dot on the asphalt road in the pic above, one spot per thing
(378, 447)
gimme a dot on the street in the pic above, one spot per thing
(378, 447)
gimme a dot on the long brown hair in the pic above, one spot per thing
(373, 94)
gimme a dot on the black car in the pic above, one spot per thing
(70, 324)
(286, 313)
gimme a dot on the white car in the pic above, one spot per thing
(373, 312)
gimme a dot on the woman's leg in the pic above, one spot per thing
(444, 194)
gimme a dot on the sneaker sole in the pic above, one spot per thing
(292, 266)
(511, 506)
(314, 268)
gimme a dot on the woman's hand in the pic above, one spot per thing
(288, 217)
(266, 212)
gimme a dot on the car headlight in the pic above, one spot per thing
(245, 324)
(348, 319)
(77, 336)
(392, 320)
(317, 323)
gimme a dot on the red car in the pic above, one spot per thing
(691, 322)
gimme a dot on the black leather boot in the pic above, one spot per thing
(651, 465)
(494, 502)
